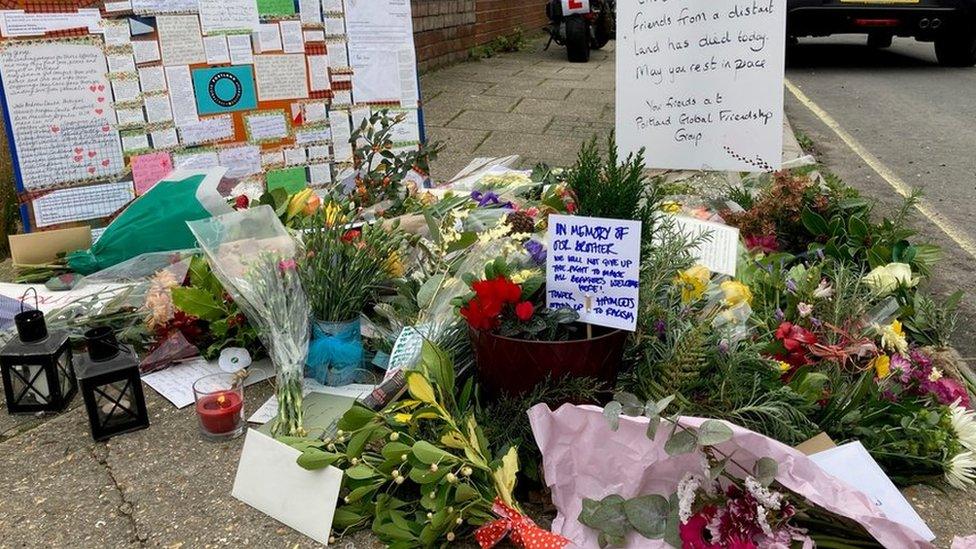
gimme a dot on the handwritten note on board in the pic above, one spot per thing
(281, 77)
(700, 83)
(228, 15)
(720, 253)
(593, 267)
(61, 113)
(180, 39)
(149, 169)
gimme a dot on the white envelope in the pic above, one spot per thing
(269, 479)
(851, 463)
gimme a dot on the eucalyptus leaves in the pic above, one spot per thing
(655, 516)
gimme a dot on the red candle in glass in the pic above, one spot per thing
(220, 413)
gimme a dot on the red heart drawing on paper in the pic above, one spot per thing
(99, 111)
(106, 128)
(92, 154)
(55, 129)
(78, 158)
(91, 169)
(101, 99)
(101, 87)
(79, 150)
(93, 87)
(105, 162)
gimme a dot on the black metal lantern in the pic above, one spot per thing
(36, 366)
(111, 386)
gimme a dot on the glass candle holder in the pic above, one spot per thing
(220, 406)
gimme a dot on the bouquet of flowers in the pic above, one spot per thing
(254, 258)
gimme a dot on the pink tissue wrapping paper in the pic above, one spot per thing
(583, 458)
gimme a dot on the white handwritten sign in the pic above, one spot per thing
(593, 266)
(700, 83)
(720, 251)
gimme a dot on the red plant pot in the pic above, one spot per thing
(515, 366)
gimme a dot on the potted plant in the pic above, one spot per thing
(519, 342)
(341, 270)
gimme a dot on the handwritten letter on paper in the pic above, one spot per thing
(593, 267)
(61, 113)
(700, 83)
(180, 39)
(228, 15)
(281, 77)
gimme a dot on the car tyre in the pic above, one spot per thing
(957, 49)
(879, 41)
(577, 40)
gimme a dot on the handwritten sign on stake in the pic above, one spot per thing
(593, 267)
(700, 83)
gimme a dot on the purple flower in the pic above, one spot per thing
(920, 358)
(537, 251)
(723, 346)
(780, 315)
(791, 286)
(660, 327)
(485, 199)
(901, 366)
(816, 322)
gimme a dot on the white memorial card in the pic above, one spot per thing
(593, 267)
(700, 83)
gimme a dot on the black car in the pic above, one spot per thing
(951, 24)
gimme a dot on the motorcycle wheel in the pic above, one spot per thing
(602, 30)
(577, 40)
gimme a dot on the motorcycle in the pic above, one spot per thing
(581, 26)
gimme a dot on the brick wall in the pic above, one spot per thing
(446, 30)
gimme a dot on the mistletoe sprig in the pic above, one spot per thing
(418, 472)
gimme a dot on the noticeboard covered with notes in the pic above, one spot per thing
(103, 99)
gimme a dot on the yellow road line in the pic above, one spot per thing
(957, 235)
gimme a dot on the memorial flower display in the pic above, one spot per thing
(825, 327)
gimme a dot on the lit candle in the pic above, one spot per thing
(220, 413)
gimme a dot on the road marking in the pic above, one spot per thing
(924, 206)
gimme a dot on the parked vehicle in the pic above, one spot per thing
(951, 24)
(581, 26)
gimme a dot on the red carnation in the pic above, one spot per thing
(352, 235)
(498, 289)
(242, 202)
(524, 310)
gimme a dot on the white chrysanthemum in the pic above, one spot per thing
(687, 492)
(962, 470)
(892, 339)
(964, 424)
(763, 520)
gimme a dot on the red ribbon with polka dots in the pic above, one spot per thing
(523, 532)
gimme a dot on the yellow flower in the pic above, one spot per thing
(333, 214)
(887, 278)
(402, 418)
(523, 275)
(893, 337)
(394, 265)
(297, 203)
(784, 366)
(693, 283)
(671, 207)
(881, 365)
(736, 293)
